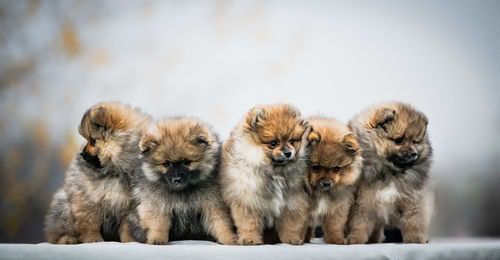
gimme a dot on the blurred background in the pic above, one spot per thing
(217, 59)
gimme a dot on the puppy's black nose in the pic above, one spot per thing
(326, 183)
(287, 154)
(413, 155)
(176, 180)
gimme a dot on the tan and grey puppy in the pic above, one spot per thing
(395, 186)
(92, 203)
(334, 168)
(262, 174)
(176, 194)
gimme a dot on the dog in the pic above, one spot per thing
(395, 189)
(95, 197)
(176, 193)
(262, 175)
(334, 168)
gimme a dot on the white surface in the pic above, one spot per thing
(438, 249)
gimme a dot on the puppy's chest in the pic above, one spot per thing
(321, 206)
(386, 198)
(276, 194)
(388, 194)
(324, 203)
(111, 193)
(262, 190)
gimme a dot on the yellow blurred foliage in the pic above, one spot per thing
(69, 38)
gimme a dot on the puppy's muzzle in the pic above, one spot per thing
(284, 157)
(409, 157)
(91, 159)
(325, 184)
(406, 160)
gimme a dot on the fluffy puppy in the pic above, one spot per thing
(176, 194)
(92, 203)
(395, 188)
(262, 174)
(333, 170)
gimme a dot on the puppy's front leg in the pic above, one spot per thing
(413, 226)
(125, 231)
(292, 224)
(87, 221)
(248, 225)
(218, 223)
(361, 224)
(335, 223)
(156, 222)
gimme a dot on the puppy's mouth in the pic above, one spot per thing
(175, 183)
(93, 160)
(179, 179)
(402, 163)
(279, 162)
(178, 186)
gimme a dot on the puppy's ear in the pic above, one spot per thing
(294, 111)
(313, 137)
(201, 140)
(198, 135)
(307, 185)
(381, 118)
(350, 143)
(98, 117)
(147, 143)
(85, 123)
(254, 117)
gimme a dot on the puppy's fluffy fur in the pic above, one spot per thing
(176, 194)
(333, 170)
(95, 197)
(262, 174)
(395, 188)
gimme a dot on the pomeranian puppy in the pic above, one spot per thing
(175, 191)
(394, 189)
(95, 197)
(333, 170)
(262, 174)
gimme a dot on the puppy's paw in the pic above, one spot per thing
(67, 240)
(414, 239)
(295, 242)
(157, 241)
(230, 240)
(127, 239)
(91, 238)
(335, 240)
(249, 241)
(351, 240)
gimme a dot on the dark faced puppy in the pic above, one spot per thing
(394, 190)
(334, 168)
(95, 196)
(176, 192)
(262, 174)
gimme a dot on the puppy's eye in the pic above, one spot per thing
(98, 126)
(417, 142)
(292, 141)
(92, 141)
(167, 164)
(316, 168)
(186, 162)
(273, 144)
(399, 140)
(336, 169)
